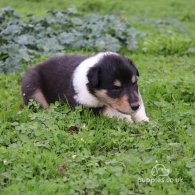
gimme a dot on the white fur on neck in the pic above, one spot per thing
(80, 81)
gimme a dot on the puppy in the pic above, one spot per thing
(106, 82)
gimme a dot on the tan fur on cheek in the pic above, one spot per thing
(102, 95)
(121, 104)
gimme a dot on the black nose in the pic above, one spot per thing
(134, 108)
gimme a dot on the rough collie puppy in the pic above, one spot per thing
(106, 82)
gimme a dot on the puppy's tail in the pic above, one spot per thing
(31, 88)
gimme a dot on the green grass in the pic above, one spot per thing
(64, 151)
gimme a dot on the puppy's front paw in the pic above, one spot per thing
(139, 119)
(110, 112)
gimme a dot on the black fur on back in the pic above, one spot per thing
(53, 78)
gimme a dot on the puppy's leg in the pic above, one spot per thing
(31, 88)
(40, 98)
(140, 115)
(110, 112)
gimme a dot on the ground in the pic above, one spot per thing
(64, 151)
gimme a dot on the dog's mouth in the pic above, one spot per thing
(124, 112)
(121, 104)
(128, 109)
(131, 112)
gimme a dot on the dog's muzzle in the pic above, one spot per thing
(135, 106)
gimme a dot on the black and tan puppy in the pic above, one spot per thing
(107, 81)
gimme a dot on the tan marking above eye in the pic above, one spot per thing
(133, 79)
(117, 83)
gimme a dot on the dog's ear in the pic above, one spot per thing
(93, 76)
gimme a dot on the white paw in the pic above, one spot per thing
(138, 119)
(127, 118)
(110, 112)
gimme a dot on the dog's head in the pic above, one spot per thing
(113, 80)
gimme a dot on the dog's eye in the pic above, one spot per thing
(116, 88)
